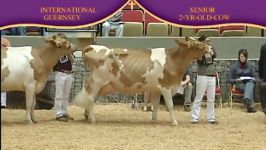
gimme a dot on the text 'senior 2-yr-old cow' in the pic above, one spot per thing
(136, 70)
(27, 68)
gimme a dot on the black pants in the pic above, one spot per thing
(262, 87)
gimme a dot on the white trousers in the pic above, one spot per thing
(204, 83)
(63, 83)
(3, 99)
(108, 26)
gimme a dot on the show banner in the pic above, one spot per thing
(208, 12)
(78, 13)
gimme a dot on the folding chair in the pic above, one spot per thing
(134, 20)
(234, 92)
(218, 91)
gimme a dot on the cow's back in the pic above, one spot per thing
(134, 65)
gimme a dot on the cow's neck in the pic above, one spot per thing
(49, 57)
(183, 60)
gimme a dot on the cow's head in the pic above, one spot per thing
(193, 47)
(60, 44)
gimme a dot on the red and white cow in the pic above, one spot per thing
(137, 70)
(27, 68)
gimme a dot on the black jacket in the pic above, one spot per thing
(262, 63)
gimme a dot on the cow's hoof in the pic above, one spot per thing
(34, 121)
(144, 108)
(174, 124)
(150, 108)
(29, 122)
(93, 121)
(86, 116)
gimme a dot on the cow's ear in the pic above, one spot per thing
(55, 42)
(51, 41)
(181, 43)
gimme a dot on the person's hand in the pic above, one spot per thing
(183, 83)
(208, 55)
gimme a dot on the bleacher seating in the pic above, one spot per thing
(188, 32)
(212, 32)
(253, 31)
(155, 27)
(140, 23)
(175, 31)
(34, 31)
(133, 22)
(233, 30)
(133, 29)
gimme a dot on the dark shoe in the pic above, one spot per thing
(187, 108)
(62, 118)
(3, 107)
(68, 117)
(194, 122)
(251, 109)
(214, 122)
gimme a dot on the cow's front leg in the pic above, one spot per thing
(169, 103)
(155, 99)
(89, 114)
(32, 112)
(86, 114)
(29, 92)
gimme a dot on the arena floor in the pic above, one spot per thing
(120, 128)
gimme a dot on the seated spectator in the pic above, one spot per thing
(262, 76)
(185, 87)
(242, 74)
(114, 23)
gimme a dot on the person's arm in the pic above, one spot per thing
(232, 75)
(186, 81)
(214, 54)
(252, 70)
(71, 57)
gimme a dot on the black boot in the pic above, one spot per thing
(251, 109)
(250, 106)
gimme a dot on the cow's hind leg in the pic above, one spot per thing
(155, 99)
(29, 92)
(169, 102)
(86, 114)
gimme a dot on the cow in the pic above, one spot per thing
(27, 68)
(136, 70)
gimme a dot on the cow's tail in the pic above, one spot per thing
(82, 99)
